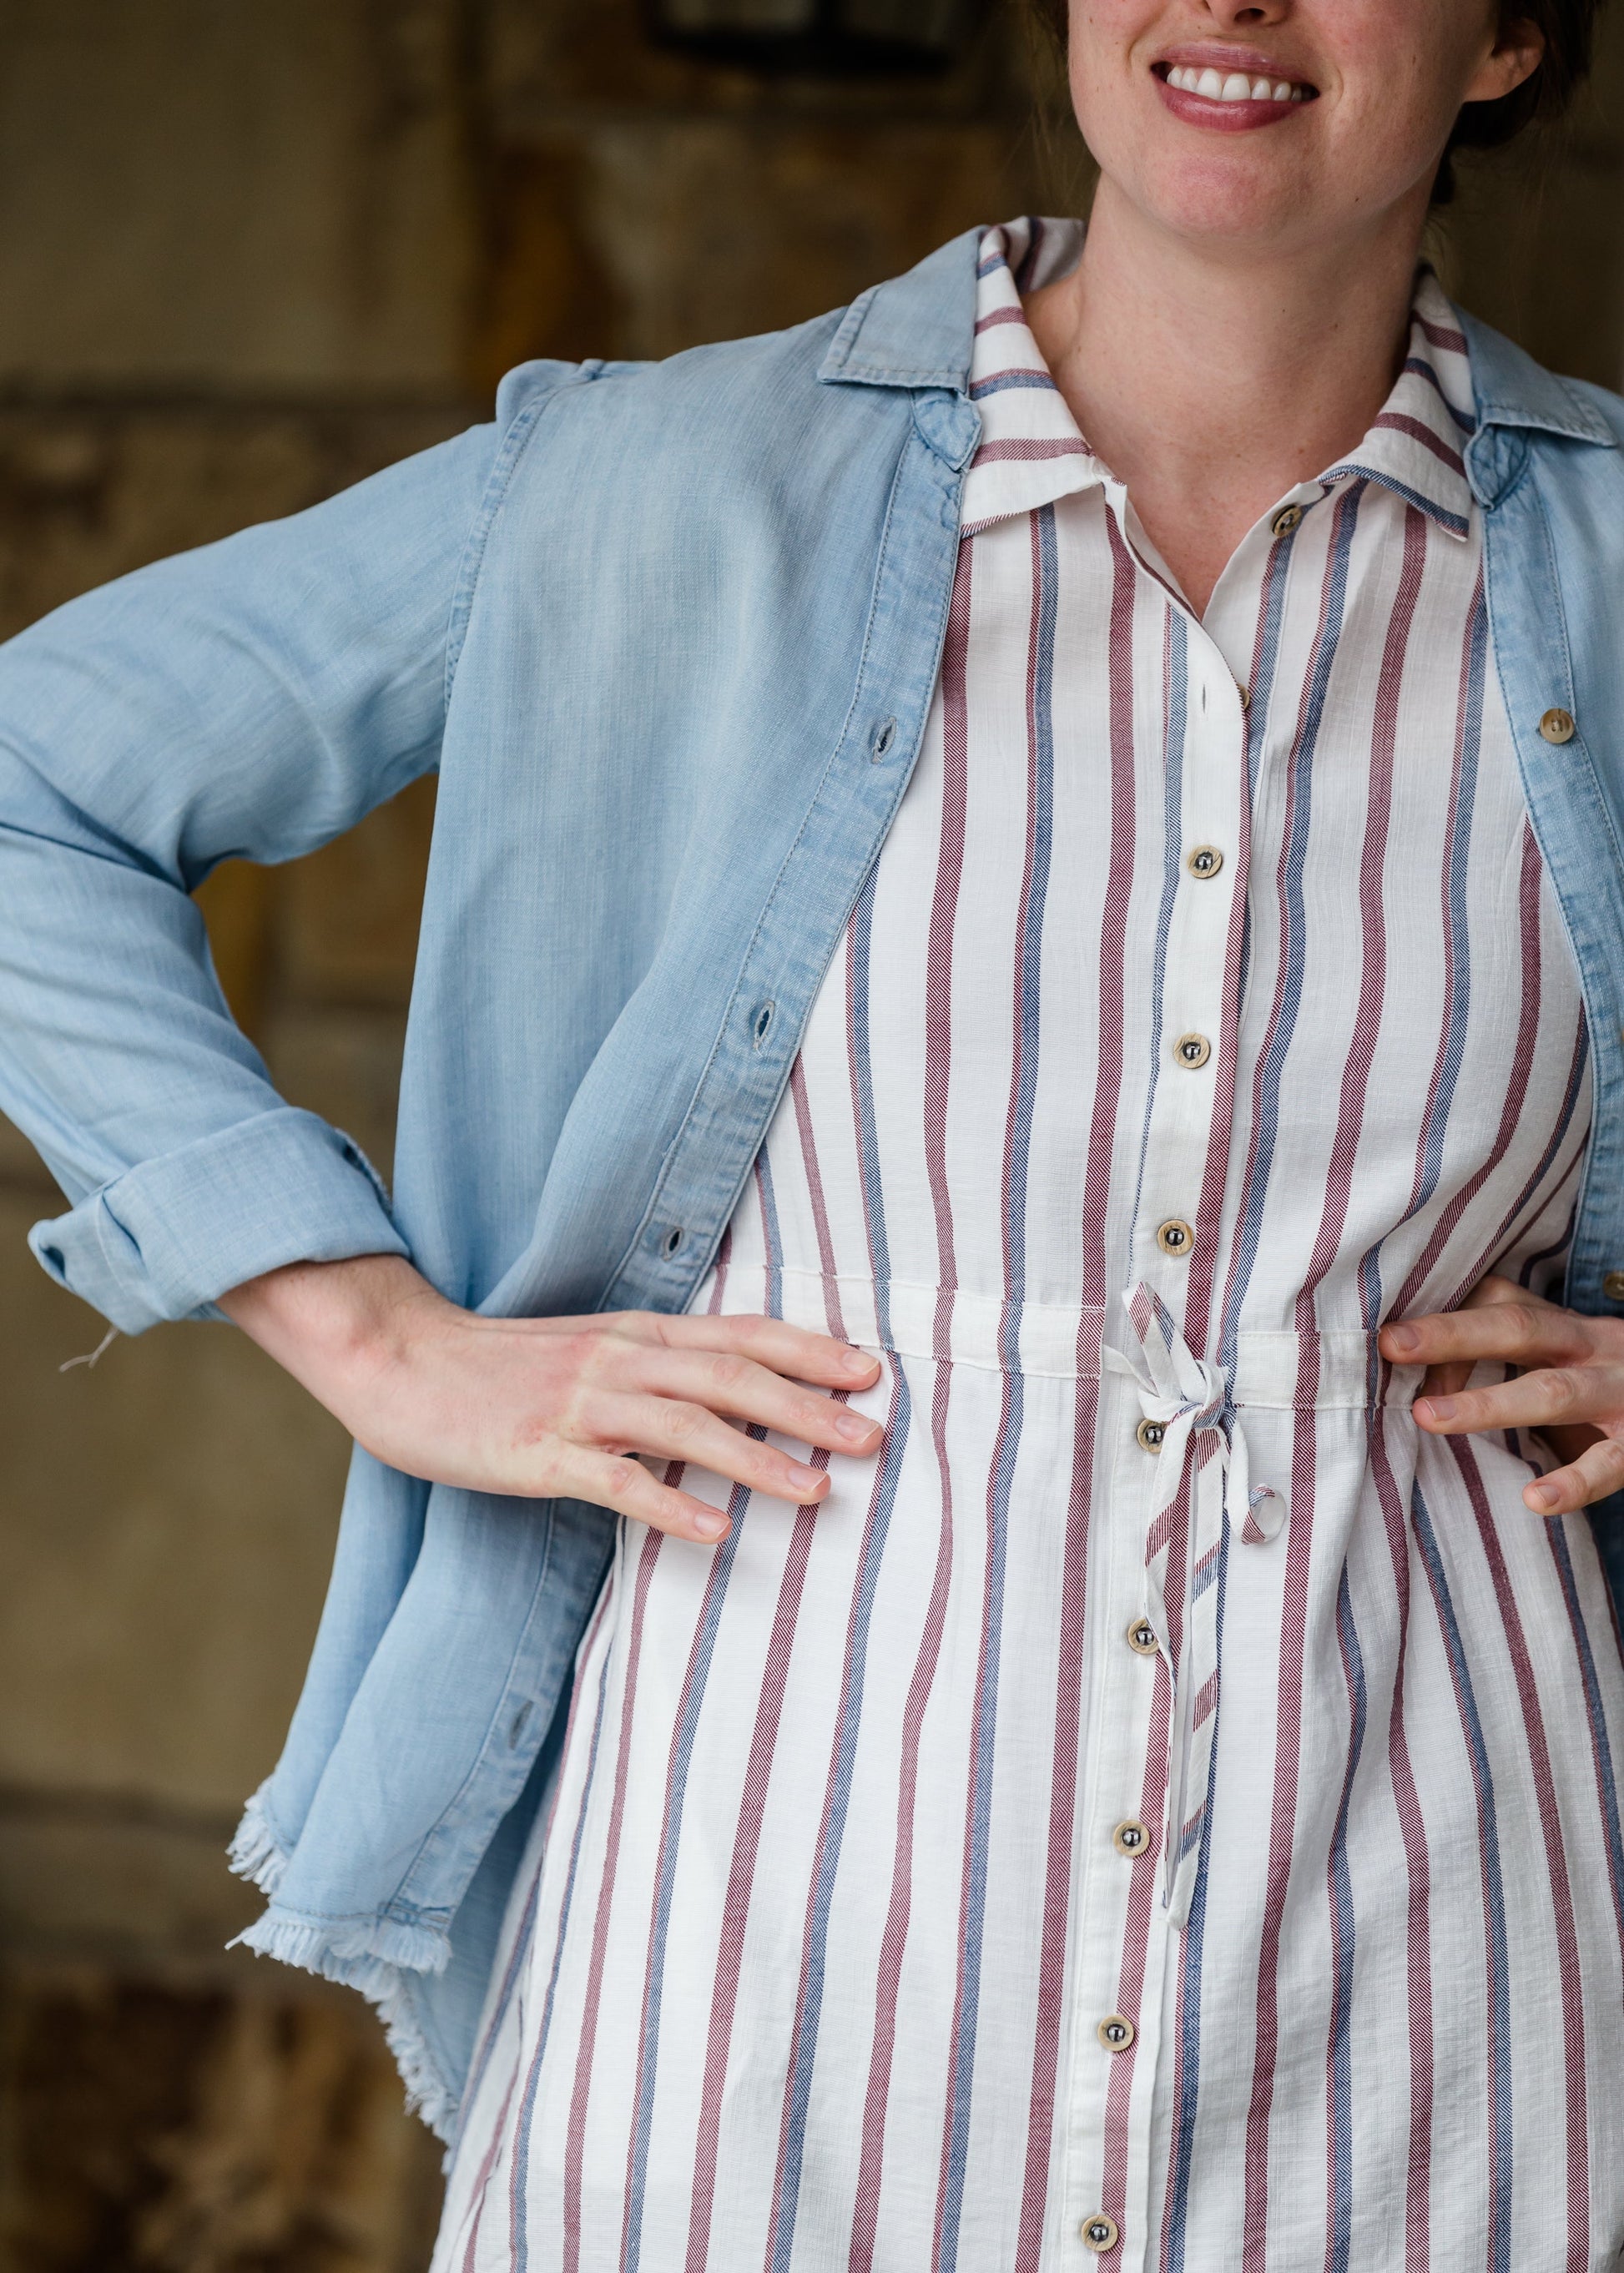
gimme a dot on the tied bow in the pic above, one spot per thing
(1204, 1491)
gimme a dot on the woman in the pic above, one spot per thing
(1058, 973)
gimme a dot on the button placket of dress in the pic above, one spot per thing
(1213, 773)
(1121, 1939)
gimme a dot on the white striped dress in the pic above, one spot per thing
(1054, 1847)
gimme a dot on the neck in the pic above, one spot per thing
(1210, 386)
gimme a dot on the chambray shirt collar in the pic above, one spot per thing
(917, 331)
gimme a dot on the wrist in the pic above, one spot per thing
(334, 1326)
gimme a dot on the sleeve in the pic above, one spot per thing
(253, 699)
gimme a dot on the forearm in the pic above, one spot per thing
(339, 1328)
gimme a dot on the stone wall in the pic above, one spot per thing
(248, 254)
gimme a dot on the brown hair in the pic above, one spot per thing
(1569, 27)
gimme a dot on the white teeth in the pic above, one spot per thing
(1236, 87)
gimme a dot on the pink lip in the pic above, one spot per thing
(1228, 118)
(1252, 61)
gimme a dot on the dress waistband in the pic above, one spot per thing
(1061, 1341)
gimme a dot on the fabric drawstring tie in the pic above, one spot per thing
(1204, 1492)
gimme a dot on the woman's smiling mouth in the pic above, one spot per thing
(1233, 87)
(1229, 91)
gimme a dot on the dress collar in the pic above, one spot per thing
(1032, 451)
(1414, 443)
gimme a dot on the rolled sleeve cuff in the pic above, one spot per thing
(163, 1240)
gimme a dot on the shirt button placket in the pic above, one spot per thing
(1220, 713)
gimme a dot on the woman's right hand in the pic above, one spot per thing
(549, 1408)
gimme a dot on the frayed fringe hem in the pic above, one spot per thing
(379, 1958)
(256, 1853)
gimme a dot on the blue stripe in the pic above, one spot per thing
(1276, 579)
(527, 2109)
(770, 1224)
(682, 1754)
(1173, 733)
(1560, 1548)
(1418, 367)
(803, 2053)
(1189, 1991)
(1279, 1041)
(1029, 984)
(1006, 380)
(1460, 994)
(1341, 2008)
(1456, 523)
(1570, 1099)
(1459, 923)
(1494, 1904)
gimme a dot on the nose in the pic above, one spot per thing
(1227, 14)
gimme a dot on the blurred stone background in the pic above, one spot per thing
(247, 255)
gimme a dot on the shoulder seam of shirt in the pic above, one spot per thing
(510, 451)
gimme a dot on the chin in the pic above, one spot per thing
(1224, 202)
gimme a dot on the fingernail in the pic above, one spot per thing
(854, 1360)
(1403, 1338)
(1544, 1495)
(1437, 1408)
(709, 1527)
(854, 1425)
(808, 1478)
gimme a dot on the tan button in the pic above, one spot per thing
(1116, 2032)
(1142, 1637)
(1193, 1050)
(1613, 1285)
(1100, 2232)
(1246, 694)
(1175, 1238)
(1205, 861)
(1150, 1433)
(1558, 726)
(1131, 1838)
(1286, 519)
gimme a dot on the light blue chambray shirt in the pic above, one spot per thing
(669, 633)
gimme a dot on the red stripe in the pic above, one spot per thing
(1553, 1846)
(1451, 823)
(1516, 1085)
(1400, 421)
(815, 1193)
(741, 1872)
(938, 1062)
(1362, 1050)
(1412, 1830)
(1030, 448)
(823, 1840)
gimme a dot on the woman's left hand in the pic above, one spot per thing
(1569, 1386)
